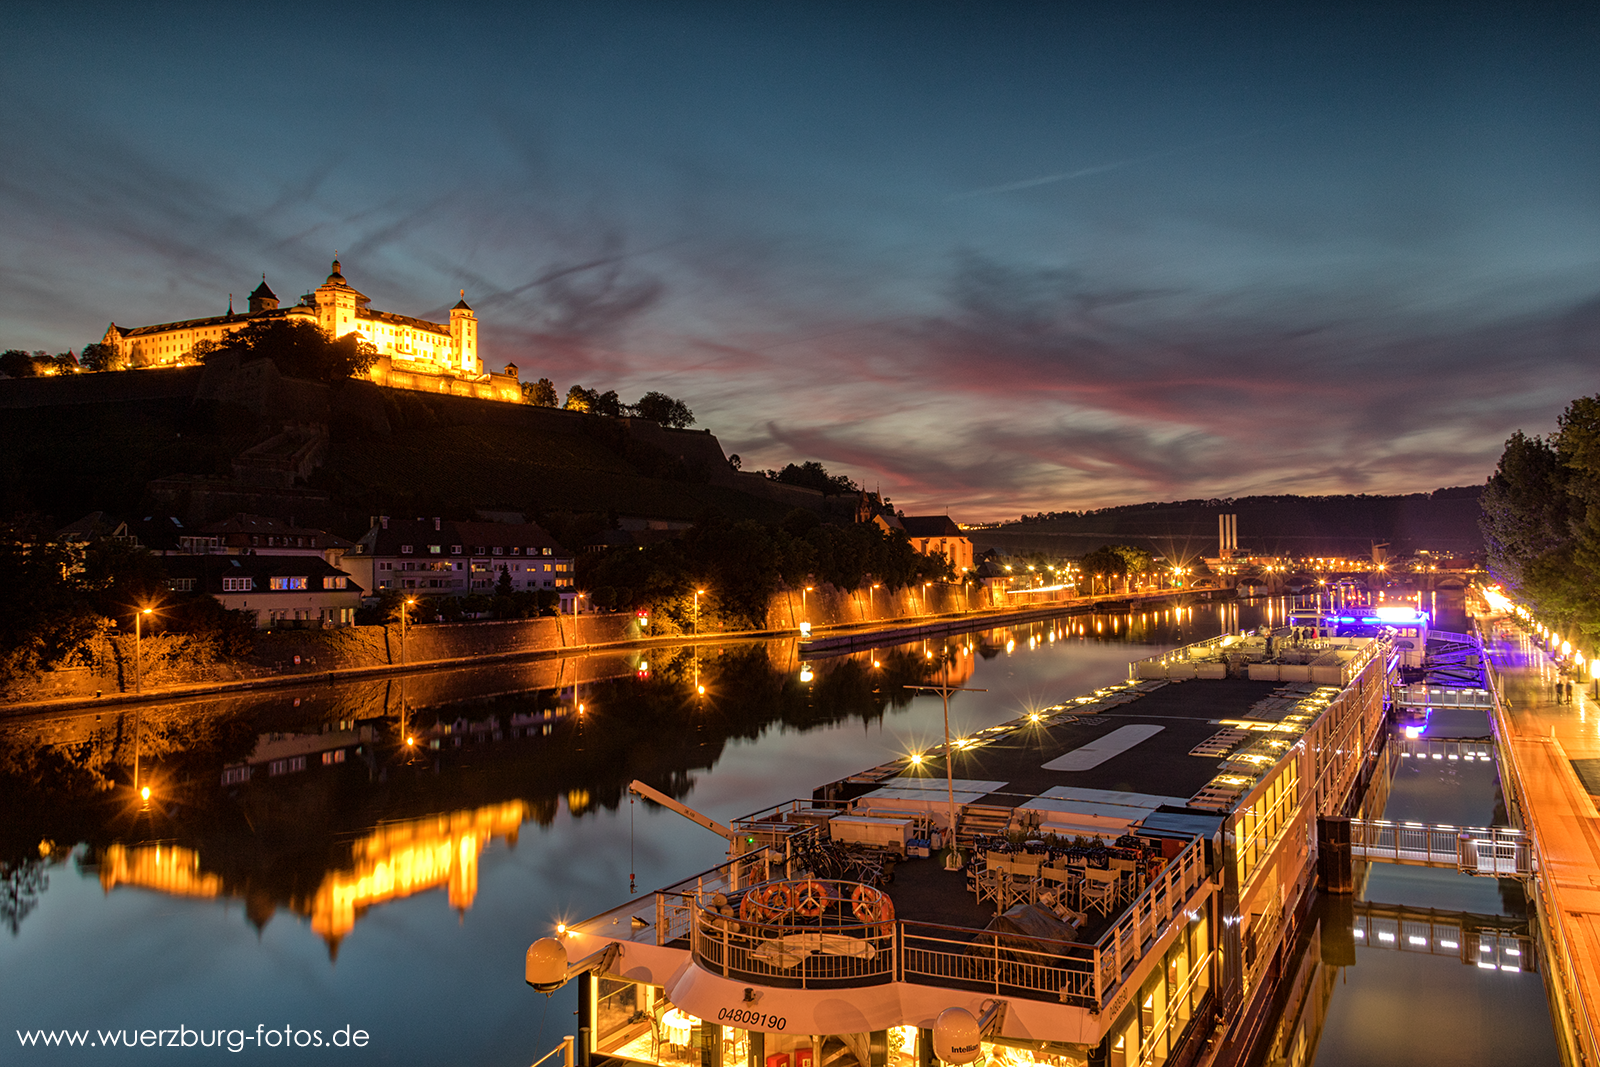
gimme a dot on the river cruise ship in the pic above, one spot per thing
(1131, 868)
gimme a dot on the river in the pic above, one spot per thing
(300, 865)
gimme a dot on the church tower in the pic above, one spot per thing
(263, 299)
(464, 335)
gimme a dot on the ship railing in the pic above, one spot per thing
(827, 950)
(1006, 964)
(1166, 897)
(790, 811)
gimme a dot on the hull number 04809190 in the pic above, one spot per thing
(742, 1017)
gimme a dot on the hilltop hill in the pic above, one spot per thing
(206, 442)
(1445, 520)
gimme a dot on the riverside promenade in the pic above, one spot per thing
(571, 641)
(1539, 739)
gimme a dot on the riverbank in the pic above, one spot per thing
(305, 653)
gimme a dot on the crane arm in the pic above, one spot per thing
(682, 809)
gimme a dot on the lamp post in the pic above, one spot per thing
(872, 598)
(138, 648)
(698, 593)
(953, 860)
(805, 608)
(405, 612)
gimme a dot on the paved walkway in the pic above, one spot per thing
(1543, 737)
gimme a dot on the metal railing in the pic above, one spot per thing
(838, 950)
(1438, 696)
(988, 961)
(1162, 900)
(1493, 851)
(830, 948)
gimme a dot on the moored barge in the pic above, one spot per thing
(1131, 869)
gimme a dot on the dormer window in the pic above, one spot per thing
(455, 550)
(499, 551)
(405, 550)
(434, 550)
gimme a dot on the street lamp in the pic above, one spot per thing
(138, 648)
(404, 619)
(872, 597)
(804, 608)
(698, 593)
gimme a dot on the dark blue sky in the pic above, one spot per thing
(995, 257)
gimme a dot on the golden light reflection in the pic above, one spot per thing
(164, 868)
(399, 859)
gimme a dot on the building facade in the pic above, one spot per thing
(938, 535)
(438, 557)
(413, 353)
(283, 591)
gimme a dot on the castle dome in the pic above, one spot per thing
(336, 278)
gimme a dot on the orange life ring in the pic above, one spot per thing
(765, 904)
(871, 905)
(811, 898)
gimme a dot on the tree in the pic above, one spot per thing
(813, 475)
(1102, 565)
(100, 357)
(15, 363)
(502, 585)
(1527, 509)
(299, 349)
(607, 403)
(541, 393)
(665, 410)
(581, 399)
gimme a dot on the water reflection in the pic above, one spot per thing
(466, 808)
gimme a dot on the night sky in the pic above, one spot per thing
(995, 258)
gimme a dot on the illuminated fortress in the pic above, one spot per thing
(412, 353)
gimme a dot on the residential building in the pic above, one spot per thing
(283, 591)
(440, 557)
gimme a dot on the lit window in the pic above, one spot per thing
(282, 584)
(334, 581)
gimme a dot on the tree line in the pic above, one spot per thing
(653, 405)
(67, 599)
(742, 565)
(1541, 520)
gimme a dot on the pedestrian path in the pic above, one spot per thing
(1542, 737)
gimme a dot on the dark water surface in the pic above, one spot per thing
(395, 891)
(1411, 1009)
(395, 888)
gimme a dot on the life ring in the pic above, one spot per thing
(811, 898)
(768, 903)
(871, 905)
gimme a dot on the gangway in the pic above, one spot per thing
(1490, 851)
(1490, 942)
(1425, 695)
(1445, 749)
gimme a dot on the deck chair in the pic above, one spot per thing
(1100, 890)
